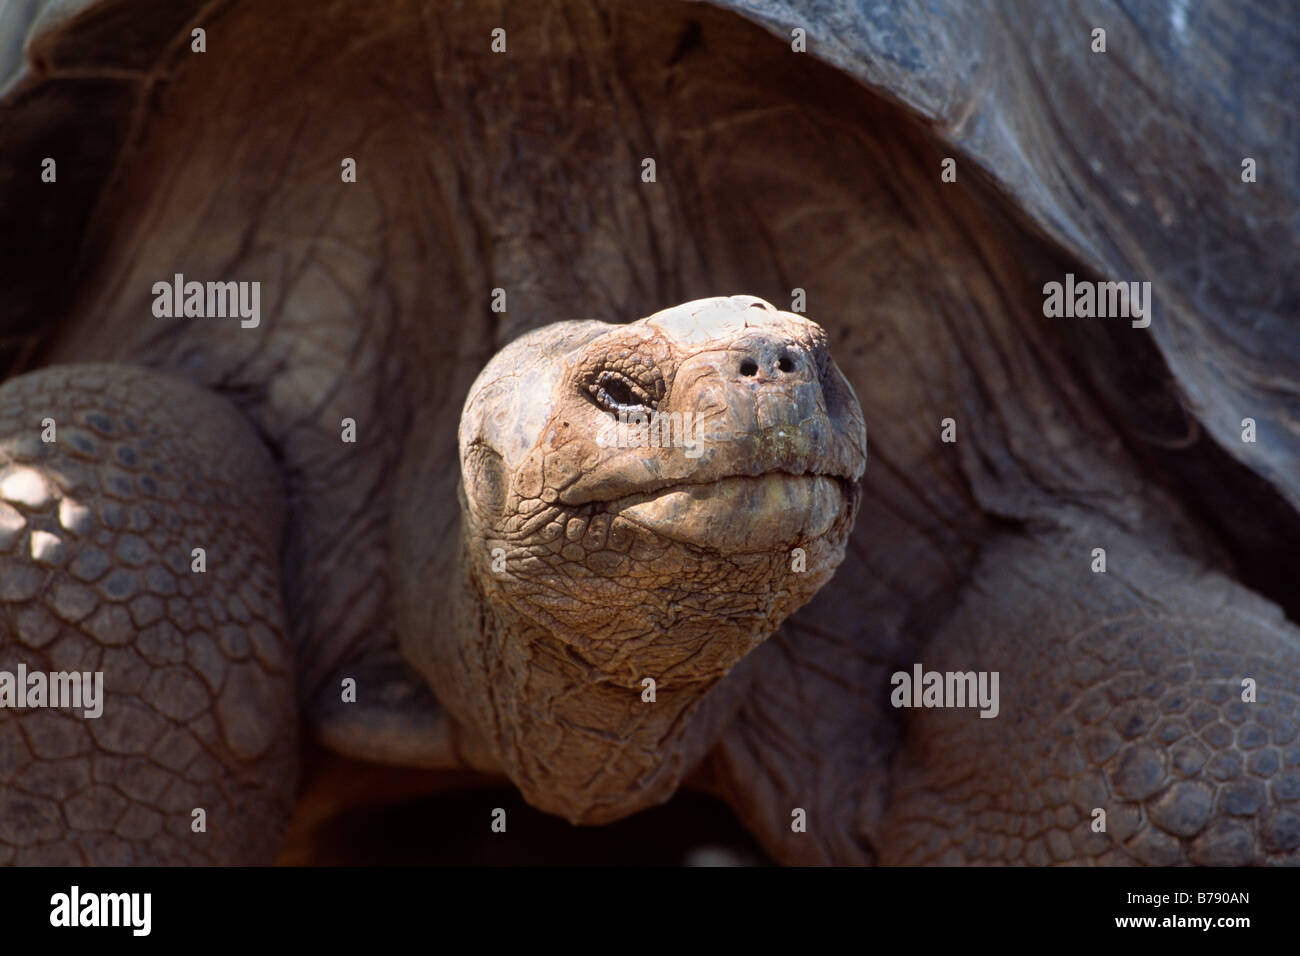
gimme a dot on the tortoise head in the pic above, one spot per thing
(642, 506)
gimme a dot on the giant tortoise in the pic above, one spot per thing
(625, 399)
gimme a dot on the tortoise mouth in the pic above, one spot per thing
(741, 513)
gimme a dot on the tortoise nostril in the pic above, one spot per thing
(785, 364)
(748, 367)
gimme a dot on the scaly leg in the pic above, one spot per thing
(1159, 693)
(193, 757)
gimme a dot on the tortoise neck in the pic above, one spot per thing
(590, 741)
(599, 686)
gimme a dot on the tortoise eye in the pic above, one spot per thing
(614, 392)
(629, 382)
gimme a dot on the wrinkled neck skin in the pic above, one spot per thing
(550, 669)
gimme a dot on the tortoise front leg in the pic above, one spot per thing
(1148, 715)
(140, 527)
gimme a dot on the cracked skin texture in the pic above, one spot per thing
(1136, 708)
(96, 534)
(774, 172)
